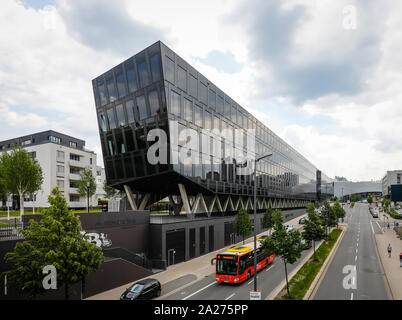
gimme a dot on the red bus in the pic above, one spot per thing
(236, 264)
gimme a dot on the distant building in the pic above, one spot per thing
(363, 188)
(62, 159)
(391, 185)
(340, 178)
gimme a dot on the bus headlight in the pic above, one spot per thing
(237, 279)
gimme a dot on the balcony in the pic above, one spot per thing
(60, 174)
(73, 190)
(78, 164)
(74, 176)
(59, 159)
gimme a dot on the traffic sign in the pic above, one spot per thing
(255, 295)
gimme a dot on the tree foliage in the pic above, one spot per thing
(20, 174)
(328, 215)
(56, 240)
(286, 245)
(86, 176)
(243, 225)
(314, 228)
(109, 191)
(267, 221)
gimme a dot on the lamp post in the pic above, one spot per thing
(257, 158)
(88, 186)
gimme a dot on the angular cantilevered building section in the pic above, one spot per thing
(156, 89)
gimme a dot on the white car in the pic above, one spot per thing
(289, 227)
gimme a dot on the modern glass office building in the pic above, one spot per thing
(156, 88)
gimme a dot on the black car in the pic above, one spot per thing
(142, 290)
(306, 244)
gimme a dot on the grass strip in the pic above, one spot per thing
(302, 280)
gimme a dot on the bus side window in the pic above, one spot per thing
(242, 265)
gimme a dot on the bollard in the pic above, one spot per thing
(400, 260)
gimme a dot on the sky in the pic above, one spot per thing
(326, 76)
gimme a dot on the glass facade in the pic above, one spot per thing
(157, 86)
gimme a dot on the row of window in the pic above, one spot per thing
(216, 100)
(131, 111)
(126, 78)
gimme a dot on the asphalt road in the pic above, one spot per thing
(355, 272)
(267, 280)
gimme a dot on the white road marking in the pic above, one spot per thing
(371, 224)
(351, 296)
(355, 258)
(230, 296)
(272, 266)
(199, 291)
(378, 224)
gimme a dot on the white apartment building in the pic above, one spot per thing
(62, 159)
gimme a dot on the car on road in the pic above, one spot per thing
(306, 244)
(142, 290)
(302, 220)
(289, 227)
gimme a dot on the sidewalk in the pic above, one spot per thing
(391, 266)
(198, 268)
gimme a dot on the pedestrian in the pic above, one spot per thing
(389, 248)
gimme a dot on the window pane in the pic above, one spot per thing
(110, 116)
(203, 93)
(141, 107)
(212, 97)
(233, 115)
(102, 92)
(143, 74)
(130, 111)
(175, 103)
(131, 78)
(121, 119)
(216, 123)
(110, 144)
(219, 105)
(102, 122)
(129, 139)
(193, 86)
(153, 102)
(169, 69)
(227, 109)
(111, 89)
(208, 120)
(121, 87)
(198, 116)
(182, 78)
(155, 62)
(121, 148)
(188, 110)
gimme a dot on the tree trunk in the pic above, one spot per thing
(287, 283)
(66, 291)
(21, 204)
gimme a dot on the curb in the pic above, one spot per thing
(320, 276)
(279, 287)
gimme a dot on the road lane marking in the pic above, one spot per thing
(371, 224)
(230, 296)
(351, 296)
(355, 258)
(198, 291)
(270, 267)
(378, 224)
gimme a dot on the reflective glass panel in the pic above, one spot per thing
(153, 102)
(182, 78)
(111, 89)
(143, 74)
(155, 62)
(130, 111)
(121, 87)
(121, 119)
(188, 110)
(141, 107)
(175, 103)
(110, 116)
(169, 64)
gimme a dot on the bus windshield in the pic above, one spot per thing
(226, 267)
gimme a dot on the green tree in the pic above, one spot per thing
(386, 203)
(267, 221)
(109, 191)
(328, 216)
(20, 174)
(370, 199)
(56, 240)
(87, 179)
(313, 227)
(353, 198)
(339, 212)
(286, 245)
(243, 225)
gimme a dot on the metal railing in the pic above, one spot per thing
(11, 229)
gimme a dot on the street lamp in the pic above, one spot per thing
(88, 186)
(257, 158)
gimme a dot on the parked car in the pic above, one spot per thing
(289, 227)
(302, 220)
(142, 290)
(306, 244)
